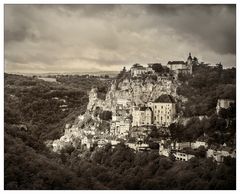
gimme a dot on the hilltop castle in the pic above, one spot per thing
(181, 66)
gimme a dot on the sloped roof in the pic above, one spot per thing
(176, 62)
(165, 99)
(144, 108)
(137, 66)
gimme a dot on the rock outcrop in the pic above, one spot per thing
(125, 94)
(132, 91)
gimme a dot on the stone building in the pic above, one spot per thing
(87, 142)
(182, 156)
(164, 148)
(123, 102)
(218, 154)
(192, 145)
(138, 147)
(164, 110)
(161, 112)
(223, 103)
(198, 143)
(123, 127)
(138, 70)
(181, 66)
(120, 125)
(180, 145)
(141, 116)
(176, 65)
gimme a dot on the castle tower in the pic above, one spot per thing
(189, 63)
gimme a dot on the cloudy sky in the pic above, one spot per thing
(81, 38)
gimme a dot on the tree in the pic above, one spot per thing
(153, 145)
(154, 132)
(176, 131)
(223, 113)
(201, 152)
(183, 77)
(122, 73)
(157, 67)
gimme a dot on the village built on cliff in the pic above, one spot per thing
(138, 101)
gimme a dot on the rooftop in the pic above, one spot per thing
(144, 108)
(176, 63)
(138, 66)
(165, 99)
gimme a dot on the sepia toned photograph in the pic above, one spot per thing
(119, 97)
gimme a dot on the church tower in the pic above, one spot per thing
(189, 63)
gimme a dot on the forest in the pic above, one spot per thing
(204, 87)
(31, 167)
(37, 105)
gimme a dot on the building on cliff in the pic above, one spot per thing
(138, 70)
(223, 103)
(142, 116)
(218, 154)
(183, 156)
(164, 110)
(161, 112)
(181, 66)
(164, 148)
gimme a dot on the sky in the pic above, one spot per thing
(84, 38)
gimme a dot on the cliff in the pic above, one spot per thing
(132, 92)
(125, 94)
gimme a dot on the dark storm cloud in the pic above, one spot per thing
(106, 37)
(17, 28)
(213, 24)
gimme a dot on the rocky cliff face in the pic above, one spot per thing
(86, 125)
(126, 93)
(133, 91)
